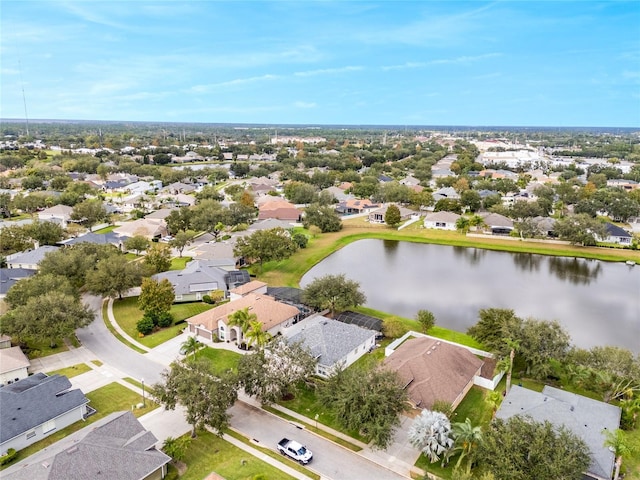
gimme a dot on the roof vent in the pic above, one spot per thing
(572, 408)
(429, 352)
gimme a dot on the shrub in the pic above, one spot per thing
(216, 295)
(145, 325)
(393, 327)
(300, 239)
(207, 299)
(165, 319)
(9, 457)
(442, 406)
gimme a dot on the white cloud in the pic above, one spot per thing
(329, 71)
(305, 104)
(232, 83)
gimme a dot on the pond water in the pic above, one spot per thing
(598, 303)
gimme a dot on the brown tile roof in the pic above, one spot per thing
(248, 287)
(269, 311)
(433, 370)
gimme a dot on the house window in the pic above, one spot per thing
(440, 224)
(48, 426)
(31, 434)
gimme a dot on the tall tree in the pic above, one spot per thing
(89, 212)
(431, 433)
(158, 257)
(426, 319)
(191, 346)
(20, 293)
(114, 276)
(206, 398)
(494, 325)
(333, 292)
(256, 336)
(76, 261)
(323, 217)
(137, 243)
(521, 449)
(506, 364)
(156, 297)
(182, 240)
(58, 315)
(580, 229)
(392, 216)
(368, 400)
(45, 233)
(271, 374)
(265, 245)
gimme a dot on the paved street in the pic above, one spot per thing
(331, 461)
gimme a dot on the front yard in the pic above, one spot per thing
(127, 314)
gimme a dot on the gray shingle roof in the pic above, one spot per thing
(30, 257)
(34, 400)
(10, 276)
(585, 417)
(120, 449)
(197, 276)
(327, 339)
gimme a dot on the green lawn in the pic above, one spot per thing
(108, 229)
(221, 360)
(115, 333)
(178, 263)
(43, 348)
(108, 399)
(127, 314)
(208, 453)
(72, 371)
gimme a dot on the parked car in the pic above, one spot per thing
(295, 450)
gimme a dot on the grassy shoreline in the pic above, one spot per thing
(289, 272)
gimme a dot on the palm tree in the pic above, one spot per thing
(256, 336)
(431, 433)
(191, 345)
(494, 399)
(242, 319)
(621, 445)
(506, 364)
(467, 438)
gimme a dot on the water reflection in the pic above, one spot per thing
(471, 255)
(527, 262)
(390, 247)
(574, 270)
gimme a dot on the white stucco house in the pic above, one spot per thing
(441, 220)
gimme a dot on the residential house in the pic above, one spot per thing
(140, 187)
(35, 407)
(616, 234)
(433, 370)
(546, 225)
(13, 365)
(410, 181)
(178, 187)
(116, 447)
(254, 286)
(10, 276)
(627, 185)
(273, 315)
(199, 278)
(109, 238)
(29, 259)
(441, 220)
(151, 228)
(338, 193)
(498, 224)
(445, 192)
(279, 209)
(377, 216)
(332, 343)
(585, 417)
(268, 224)
(353, 206)
(60, 214)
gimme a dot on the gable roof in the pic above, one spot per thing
(30, 257)
(433, 370)
(269, 312)
(616, 231)
(119, 448)
(585, 417)
(63, 211)
(12, 358)
(34, 400)
(10, 276)
(249, 287)
(496, 220)
(99, 238)
(442, 216)
(197, 276)
(328, 340)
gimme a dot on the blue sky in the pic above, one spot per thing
(511, 63)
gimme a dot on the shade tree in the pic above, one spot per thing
(333, 292)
